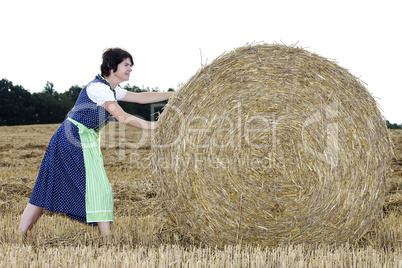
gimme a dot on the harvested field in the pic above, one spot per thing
(141, 233)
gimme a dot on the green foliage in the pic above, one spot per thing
(393, 126)
(19, 107)
(16, 105)
(74, 92)
(49, 89)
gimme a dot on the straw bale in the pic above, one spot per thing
(271, 144)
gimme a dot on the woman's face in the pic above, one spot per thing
(123, 70)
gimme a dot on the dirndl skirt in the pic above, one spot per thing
(72, 179)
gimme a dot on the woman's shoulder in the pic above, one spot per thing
(99, 92)
(97, 85)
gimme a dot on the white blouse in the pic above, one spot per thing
(100, 93)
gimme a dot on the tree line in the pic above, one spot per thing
(20, 107)
(393, 125)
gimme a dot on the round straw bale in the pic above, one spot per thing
(272, 144)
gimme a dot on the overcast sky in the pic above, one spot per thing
(62, 41)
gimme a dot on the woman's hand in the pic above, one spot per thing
(156, 124)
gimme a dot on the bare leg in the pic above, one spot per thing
(29, 217)
(104, 227)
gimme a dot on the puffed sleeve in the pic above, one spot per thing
(100, 93)
(120, 93)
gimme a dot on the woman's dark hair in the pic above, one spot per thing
(113, 57)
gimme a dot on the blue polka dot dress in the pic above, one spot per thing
(60, 185)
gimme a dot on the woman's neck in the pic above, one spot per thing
(112, 81)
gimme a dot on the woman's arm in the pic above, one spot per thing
(114, 109)
(147, 97)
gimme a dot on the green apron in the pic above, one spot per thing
(98, 192)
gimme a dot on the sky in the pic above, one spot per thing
(62, 41)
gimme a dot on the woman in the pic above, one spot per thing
(72, 178)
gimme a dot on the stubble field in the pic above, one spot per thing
(142, 235)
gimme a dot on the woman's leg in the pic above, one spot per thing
(29, 217)
(104, 227)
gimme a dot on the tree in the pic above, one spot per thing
(19, 107)
(74, 92)
(393, 126)
(49, 89)
(15, 105)
(132, 88)
(51, 106)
